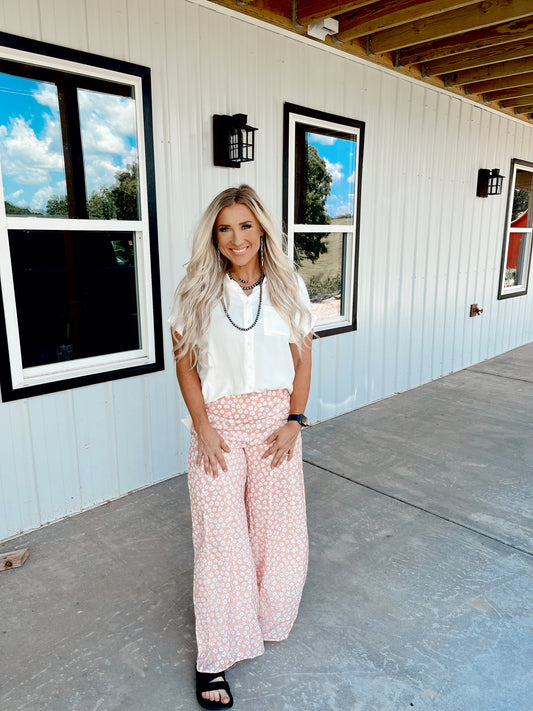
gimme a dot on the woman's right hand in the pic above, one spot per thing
(211, 448)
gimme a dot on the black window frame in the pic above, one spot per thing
(69, 80)
(308, 116)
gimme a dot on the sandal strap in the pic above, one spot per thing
(217, 685)
(205, 681)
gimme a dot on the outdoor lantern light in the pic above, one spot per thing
(233, 140)
(489, 182)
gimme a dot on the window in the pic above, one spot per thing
(78, 239)
(516, 255)
(323, 163)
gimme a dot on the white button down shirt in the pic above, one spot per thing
(257, 360)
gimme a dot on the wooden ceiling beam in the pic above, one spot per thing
(512, 93)
(509, 82)
(481, 57)
(469, 41)
(493, 71)
(520, 101)
(309, 11)
(472, 17)
(524, 109)
(384, 15)
(275, 12)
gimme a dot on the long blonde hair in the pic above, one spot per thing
(202, 287)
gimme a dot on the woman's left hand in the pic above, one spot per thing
(281, 443)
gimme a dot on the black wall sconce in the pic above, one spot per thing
(233, 140)
(489, 182)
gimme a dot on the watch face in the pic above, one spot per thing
(300, 419)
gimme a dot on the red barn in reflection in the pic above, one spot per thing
(515, 239)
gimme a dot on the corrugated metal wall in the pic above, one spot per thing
(428, 248)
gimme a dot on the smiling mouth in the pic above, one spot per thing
(239, 251)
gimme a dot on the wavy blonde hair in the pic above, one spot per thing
(202, 287)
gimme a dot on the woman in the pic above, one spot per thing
(242, 329)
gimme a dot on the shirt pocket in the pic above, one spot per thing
(274, 325)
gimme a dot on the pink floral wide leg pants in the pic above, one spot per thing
(249, 534)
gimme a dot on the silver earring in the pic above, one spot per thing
(219, 259)
(261, 251)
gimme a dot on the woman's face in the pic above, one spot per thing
(238, 234)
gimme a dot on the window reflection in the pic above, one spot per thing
(521, 221)
(516, 259)
(523, 190)
(110, 155)
(325, 176)
(31, 152)
(324, 279)
(76, 294)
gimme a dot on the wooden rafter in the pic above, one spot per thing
(493, 71)
(523, 109)
(473, 17)
(481, 57)
(385, 15)
(520, 101)
(508, 82)
(502, 94)
(467, 41)
(308, 11)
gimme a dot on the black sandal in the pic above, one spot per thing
(206, 682)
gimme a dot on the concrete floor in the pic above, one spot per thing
(419, 594)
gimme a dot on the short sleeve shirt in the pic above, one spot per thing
(257, 360)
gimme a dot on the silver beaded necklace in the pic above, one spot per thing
(256, 319)
(243, 281)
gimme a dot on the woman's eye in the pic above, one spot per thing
(247, 227)
(222, 229)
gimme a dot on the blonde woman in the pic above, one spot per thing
(242, 329)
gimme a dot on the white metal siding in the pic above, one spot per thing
(428, 247)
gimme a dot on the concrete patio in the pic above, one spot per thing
(419, 594)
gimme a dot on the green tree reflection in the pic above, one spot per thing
(116, 202)
(317, 190)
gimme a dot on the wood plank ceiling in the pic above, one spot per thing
(483, 50)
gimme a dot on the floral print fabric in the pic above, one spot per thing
(249, 534)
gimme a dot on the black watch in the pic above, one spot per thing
(300, 419)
